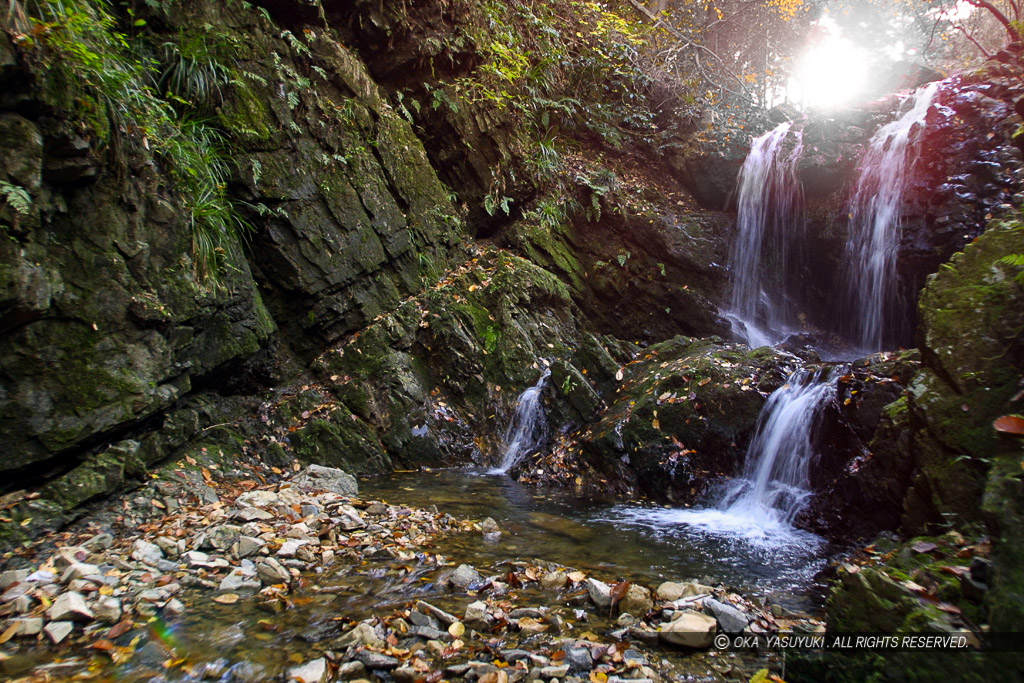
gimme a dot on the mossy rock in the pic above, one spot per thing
(684, 413)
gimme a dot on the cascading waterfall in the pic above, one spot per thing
(761, 505)
(769, 212)
(775, 486)
(528, 428)
(875, 222)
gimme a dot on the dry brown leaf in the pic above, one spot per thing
(9, 633)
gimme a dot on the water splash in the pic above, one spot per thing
(875, 226)
(762, 504)
(769, 212)
(528, 428)
(775, 486)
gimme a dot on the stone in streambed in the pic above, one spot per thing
(146, 552)
(319, 478)
(240, 579)
(730, 619)
(361, 634)
(464, 576)
(689, 629)
(600, 592)
(70, 606)
(377, 661)
(271, 572)
(579, 659)
(57, 631)
(25, 626)
(13, 576)
(672, 591)
(310, 672)
(258, 499)
(108, 610)
(637, 601)
(477, 616)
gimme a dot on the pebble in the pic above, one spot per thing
(437, 613)
(70, 606)
(271, 572)
(146, 552)
(600, 593)
(377, 661)
(361, 634)
(13, 576)
(579, 659)
(672, 591)
(689, 629)
(464, 575)
(108, 610)
(25, 626)
(310, 672)
(57, 631)
(730, 619)
(477, 616)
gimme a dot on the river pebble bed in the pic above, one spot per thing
(207, 577)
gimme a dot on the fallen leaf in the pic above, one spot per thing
(9, 633)
(1010, 424)
(598, 677)
(227, 598)
(456, 629)
(120, 628)
(923, 547)
(576, 576)
(956, 570)
(618, 375)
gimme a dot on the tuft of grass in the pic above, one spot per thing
(114, 91)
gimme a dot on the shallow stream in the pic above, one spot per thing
(606, 538)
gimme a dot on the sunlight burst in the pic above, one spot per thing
(831, 73)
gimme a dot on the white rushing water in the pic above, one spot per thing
(769, 220)
(528, 428)
(761, 505)
(875, 222)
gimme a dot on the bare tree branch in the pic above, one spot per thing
(1000, 17)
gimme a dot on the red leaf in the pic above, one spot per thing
(1009, 424)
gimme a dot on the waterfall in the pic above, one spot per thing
(528, 427)
(874, 233)
(769, 220)
(775, 485)
(761, 505)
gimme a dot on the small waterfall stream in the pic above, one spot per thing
(775, 485)
(874, 233)
(769, 218)
(528, 428)
(761, 505)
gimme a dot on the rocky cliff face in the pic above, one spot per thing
(355, 281)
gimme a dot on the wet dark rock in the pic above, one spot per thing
(730, 619)
(579, 659)
(376, 661)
